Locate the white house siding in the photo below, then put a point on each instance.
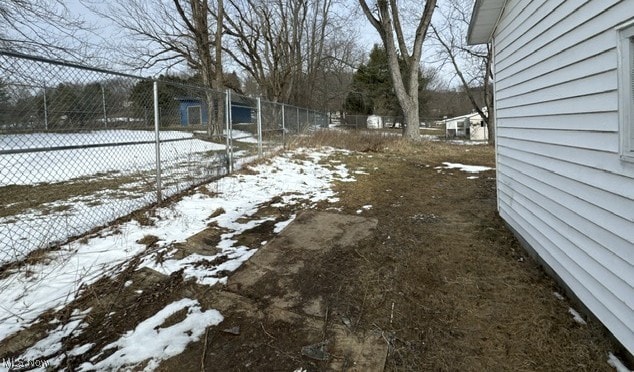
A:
(561, 183)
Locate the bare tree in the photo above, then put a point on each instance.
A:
(287, 46)
(333, 57)
(266, 37)
(319, 15)
(165, 34)
(385, 18)
(333, 80)
(42, 27)
(472, 63)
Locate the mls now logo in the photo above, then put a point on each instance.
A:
(13, 363)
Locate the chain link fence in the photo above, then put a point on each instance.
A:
(82, 147)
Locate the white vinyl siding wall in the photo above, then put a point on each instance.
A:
(562, 184)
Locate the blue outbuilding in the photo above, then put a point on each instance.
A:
(193, 111)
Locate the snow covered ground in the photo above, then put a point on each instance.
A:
(62, 165)
(113, 136)
(55, 281)
(184, 161)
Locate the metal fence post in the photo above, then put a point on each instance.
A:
(259, 126)
(103, 103)
(228, 134)
(231, 136)
(283, 127)
(157, 144)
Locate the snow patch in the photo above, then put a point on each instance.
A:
(52, 343)
(364, 208)
(615, 363)
(198, 266)
(576, 316)
(281, 225)
(464, 168)
(151, 341)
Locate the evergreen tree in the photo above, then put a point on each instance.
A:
(372, 90)
(62, 106)
(169, 90)
(89, 107)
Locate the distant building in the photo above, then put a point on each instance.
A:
(470, 125)
(193, 111)
(375, 122)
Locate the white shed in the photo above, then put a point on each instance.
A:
(375, 122)
(470, 125)
(564, 113)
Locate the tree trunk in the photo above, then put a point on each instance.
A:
(220, 81)
(199, 28)
(491, 125)
(388, 25)
(488, 93)
(209, 97)
(412, 130)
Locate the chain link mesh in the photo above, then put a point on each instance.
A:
(79, 146)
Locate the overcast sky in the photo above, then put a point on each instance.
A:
(108, 35)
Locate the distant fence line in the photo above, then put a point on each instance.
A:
(81, 147)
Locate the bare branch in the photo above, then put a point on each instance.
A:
(472, 64)
(43, 27)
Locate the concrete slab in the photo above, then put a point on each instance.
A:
(271, 275)
(286, 254)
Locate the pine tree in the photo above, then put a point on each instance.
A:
(372, 90)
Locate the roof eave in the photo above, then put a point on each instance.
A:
(484, 19)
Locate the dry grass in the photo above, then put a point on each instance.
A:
(456, 291)
(148, 240)
(363, 141)
(16, 199)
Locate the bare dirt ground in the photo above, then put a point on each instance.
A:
(426, 279)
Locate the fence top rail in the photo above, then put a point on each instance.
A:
(9, 53)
